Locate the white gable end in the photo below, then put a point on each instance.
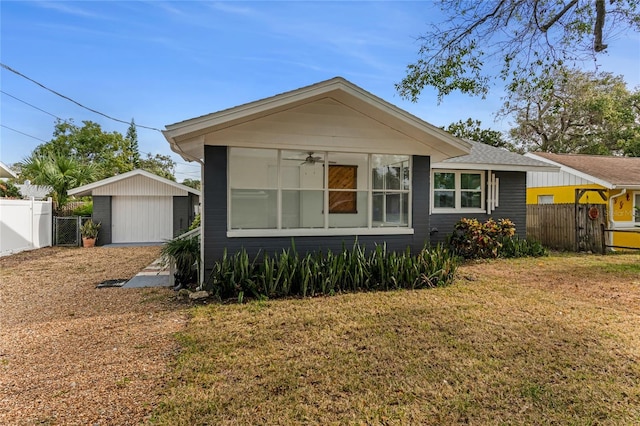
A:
(325, 124)
(139, 186)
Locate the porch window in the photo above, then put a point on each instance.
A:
(288, 192)
(636, 209)
(458, 190)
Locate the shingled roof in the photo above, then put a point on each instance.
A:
(617, 171)
(487, 157)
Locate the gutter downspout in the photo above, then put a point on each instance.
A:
(611, 210)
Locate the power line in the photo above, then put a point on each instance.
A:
(23, 133)
(8, 68)
(32, 106)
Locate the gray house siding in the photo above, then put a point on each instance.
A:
(180, 215)
(215, 218)
(183, 212)
(102, 214)
(512, 197)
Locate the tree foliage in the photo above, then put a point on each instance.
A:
(132, 145)
(89, 145)
(108, 153)
(58, 171)
(526, 39)
(192, 183)
(161, 165)
(581, 112)
(472, 129)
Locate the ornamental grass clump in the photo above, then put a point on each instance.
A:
(287, 273)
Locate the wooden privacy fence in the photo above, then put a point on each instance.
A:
(571, 227)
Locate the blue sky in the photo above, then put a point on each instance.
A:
(164, 62)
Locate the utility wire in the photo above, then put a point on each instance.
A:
(23, 133)
(8, 68)
(32, 106)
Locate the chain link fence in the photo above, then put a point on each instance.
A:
(66, 230)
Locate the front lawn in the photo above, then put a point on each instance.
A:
(528, 341)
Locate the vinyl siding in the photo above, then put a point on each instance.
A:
(512, 206)
(102, 214)
(215, 218)
(139, 186)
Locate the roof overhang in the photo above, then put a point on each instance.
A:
(573, 171)
(494, 167)
(188, 138)
(6, 172)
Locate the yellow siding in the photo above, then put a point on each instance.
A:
(565, 194)
(627, 239)
(622, 208)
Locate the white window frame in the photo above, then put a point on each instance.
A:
(326, 230)
(458, 191)
(636, 205)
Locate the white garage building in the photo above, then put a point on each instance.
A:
(140, 207)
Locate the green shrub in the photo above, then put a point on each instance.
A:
(185, 252)
(9, 190)
(83, 210)
(288, 274)
(473, 239)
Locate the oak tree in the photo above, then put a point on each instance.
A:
(514, 41)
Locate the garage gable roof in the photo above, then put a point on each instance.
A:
(337, 96)
(104, 186)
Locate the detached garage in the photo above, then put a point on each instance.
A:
(140, 207)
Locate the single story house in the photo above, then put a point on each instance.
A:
(330, 163)
(612, 181)
(140, 207)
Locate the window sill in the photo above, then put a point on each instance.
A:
(313, 232)
(450, 211)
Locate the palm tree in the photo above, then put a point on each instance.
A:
(60, 172)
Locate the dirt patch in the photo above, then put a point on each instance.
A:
(74, 354)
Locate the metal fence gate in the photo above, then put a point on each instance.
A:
(66, 230)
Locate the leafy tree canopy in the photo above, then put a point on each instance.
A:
(109, 153)
(472, 129)
(580, 112)
(89, 145)
(192, 183)
(161, 165)
(527, 39)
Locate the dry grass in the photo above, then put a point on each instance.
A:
(534, 341)
(71, 354)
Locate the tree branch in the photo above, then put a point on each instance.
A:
(598, 46)
(555, 19)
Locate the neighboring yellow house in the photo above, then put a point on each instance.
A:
(617, 177)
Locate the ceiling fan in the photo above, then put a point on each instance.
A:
(310, 159)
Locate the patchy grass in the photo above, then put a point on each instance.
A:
(524, 341)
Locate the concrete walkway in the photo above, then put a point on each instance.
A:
(154, 275)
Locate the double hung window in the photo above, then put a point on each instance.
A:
(457, 190)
